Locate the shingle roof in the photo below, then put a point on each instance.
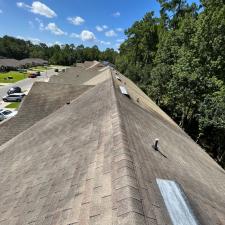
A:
(9, 63)
(32, 61)
(13, 63)
(77, 75)
(92, 162)
(43, 99)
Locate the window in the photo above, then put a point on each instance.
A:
(7, 112)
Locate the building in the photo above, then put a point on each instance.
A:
(13, 64)
(9, 64)
(93, 159)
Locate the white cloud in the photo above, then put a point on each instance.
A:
(116, 14)
(87, 35)
(105, 42)
(76, 20)
(57, 43)
(117, 46)
(50, 44)
(35, 41)
(31, 24)
(22, 5)
(74, 35)
(120, 40)
(98, 28)
(101, 28)
(119, 29)
(38, 8)
(1, 11)
(41, 25)
(53, 28)
(110, 33)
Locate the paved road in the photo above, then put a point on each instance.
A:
(26, 84)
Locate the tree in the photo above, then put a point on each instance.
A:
(67, 54)
(178, 59)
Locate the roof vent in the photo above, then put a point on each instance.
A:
(155, 146)
(118, 78)
(177, 203)
(124, 91)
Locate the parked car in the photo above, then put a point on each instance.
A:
(22, 70)
(14, 90)
(6, 114)
(32, 75)
(15, 97)
(37, 73)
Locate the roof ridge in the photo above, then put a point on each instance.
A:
(128, 201)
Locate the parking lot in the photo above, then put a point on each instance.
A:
(25, 85)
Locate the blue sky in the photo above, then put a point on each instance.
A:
(85, 22)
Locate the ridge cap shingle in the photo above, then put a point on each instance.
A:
(128, 197)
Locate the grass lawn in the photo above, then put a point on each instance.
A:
(14, 74)
(13, 105)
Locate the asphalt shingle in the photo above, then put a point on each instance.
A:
(92, 162)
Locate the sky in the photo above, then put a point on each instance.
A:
(86, 22)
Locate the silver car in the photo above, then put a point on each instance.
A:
(15, 97)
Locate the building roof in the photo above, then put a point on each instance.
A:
(92, 162)
(13, 63)
(43, 99)
(32, 61)
(78, 75)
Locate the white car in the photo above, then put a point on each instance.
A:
(6, 114)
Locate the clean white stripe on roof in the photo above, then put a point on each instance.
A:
(176, 203)
(123, 90)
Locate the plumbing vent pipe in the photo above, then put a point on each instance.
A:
(156, 143)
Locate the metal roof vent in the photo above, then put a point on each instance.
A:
(177, 203)
(124, 91)
(118, 78)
